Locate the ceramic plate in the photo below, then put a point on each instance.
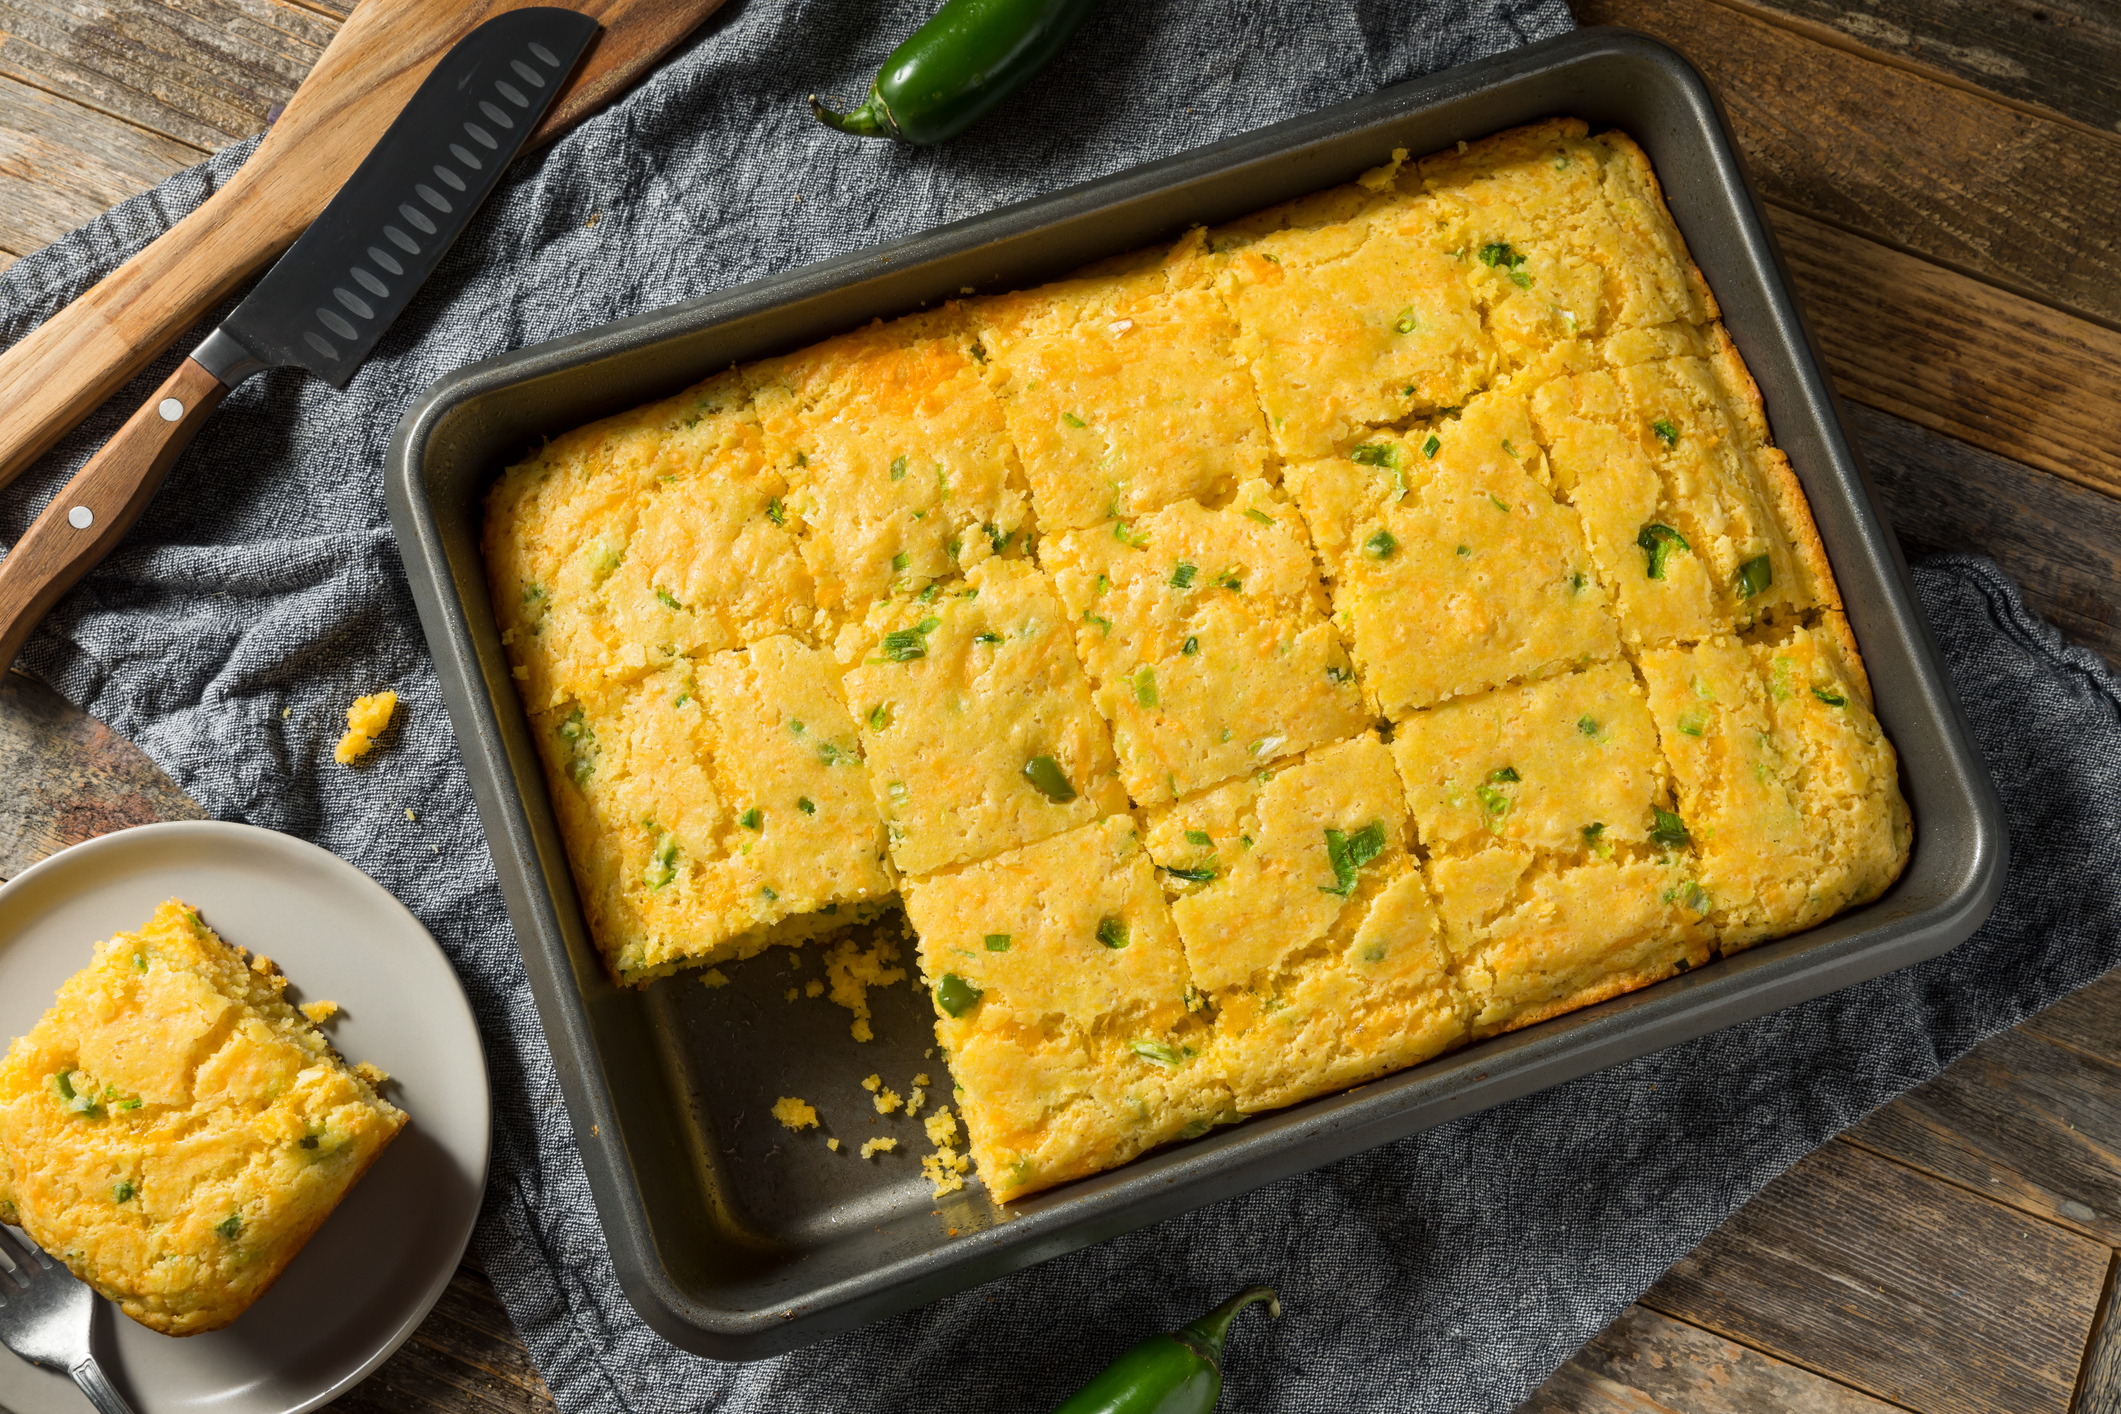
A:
(371, 1273)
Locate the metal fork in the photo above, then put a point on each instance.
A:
(46, 1317)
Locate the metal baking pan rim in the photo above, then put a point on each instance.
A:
(1872, 940)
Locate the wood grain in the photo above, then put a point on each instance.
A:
(1673, 1365)
(2088, 1020)
(2099, 1391)
(465, 1357)
(2059, 540)
(1911, 1290)
(2031, 204)
(1959, 356)
(61, 165)
(2062, 55)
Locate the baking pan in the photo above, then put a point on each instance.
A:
(739, 1240)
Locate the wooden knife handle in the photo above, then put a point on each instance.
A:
(96, 508)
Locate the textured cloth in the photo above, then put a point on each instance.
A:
(1451, 1271)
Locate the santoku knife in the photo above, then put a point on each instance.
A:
(329, 299)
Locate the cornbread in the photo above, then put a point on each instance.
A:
(174, 1130)
(1257, 665)
(365, 721)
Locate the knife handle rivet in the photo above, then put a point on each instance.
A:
(81, 517)
(170, 409)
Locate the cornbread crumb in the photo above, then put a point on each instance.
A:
(791, 994)
(946, 1167)
(922, 1078)
(794, 1114)
(872, 1147)
(813, 988)
(853, 971)
(873, 1083)
(365, 721)
(175, 1130)
(714, 977)
(319, 1012)
(374, 1074)
(915, 1098)
(888, 1100)
(833, 1145)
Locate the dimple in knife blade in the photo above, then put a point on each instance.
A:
(326, 302)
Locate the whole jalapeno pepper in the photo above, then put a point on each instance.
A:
(1177, 1373)
(958, 66)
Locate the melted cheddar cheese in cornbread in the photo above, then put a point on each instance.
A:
(1258, 665)
(174, 1131)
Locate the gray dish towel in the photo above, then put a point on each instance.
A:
(1451, 1271)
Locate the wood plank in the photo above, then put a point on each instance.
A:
(1904, 1287)
(464, 1357)
(2026, 202)
(1959, 356)
(2062, 55)
(70, 778)
(1666, 1364)
(2088, 1020)
(61, 165)
(2022, 1121)
(203, 71)
(2059, 540)
(2099, 1392)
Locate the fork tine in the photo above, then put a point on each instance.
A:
(7, 1251)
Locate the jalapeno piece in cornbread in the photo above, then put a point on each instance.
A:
(899, 464)
(649, 536)
(1307, 926)
(714, 808)
(174, 1131)
(1454, 569)
(1205, 634)
(1073, 1046)
(977, 719)
(1124, 391)
(1791, 796)
(1536, 764)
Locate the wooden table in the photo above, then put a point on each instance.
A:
(1945, 178)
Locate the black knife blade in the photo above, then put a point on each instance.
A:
(327, 301)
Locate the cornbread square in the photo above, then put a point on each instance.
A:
(1062, 1006)
(1785, 781)
(716, 807)
(958, 692)
(1354, 323)
(1307, 926)
(1454, 569)
(1206, 638)
(1533, 936)
(899, 463)
(653, 535)
(1569, 763)
(174, 1131)
(1124, 392)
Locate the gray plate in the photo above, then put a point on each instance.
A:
(738, 1240)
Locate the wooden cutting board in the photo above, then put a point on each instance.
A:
(55, 377)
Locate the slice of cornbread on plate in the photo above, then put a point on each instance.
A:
(716, 807)
(174, 1131)
(1454, 569)
(1563, 763)
(1205, 634)
(977, 719)
(1061, 995)
(648, 536)
(899, 463)
(1123, 391)
(1786, 782)
(1307, 926)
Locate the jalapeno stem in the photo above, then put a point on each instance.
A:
(1210, 1329)
(872, 119)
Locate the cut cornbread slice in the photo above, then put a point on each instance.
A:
(1454, 569)
(1532, 938)
(1124, 393)
(1355, 323)
(1785, 782)
(1566, 235)
(899, 463)
(652, 535)
(1205, 636)
(1566, 763)
(716, 807)
(1061, 997)
(1307, 926)
(977, 718)
(174, 1131)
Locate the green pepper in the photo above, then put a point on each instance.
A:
(958, 66)
(1175, 1373)
(1046, 776)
